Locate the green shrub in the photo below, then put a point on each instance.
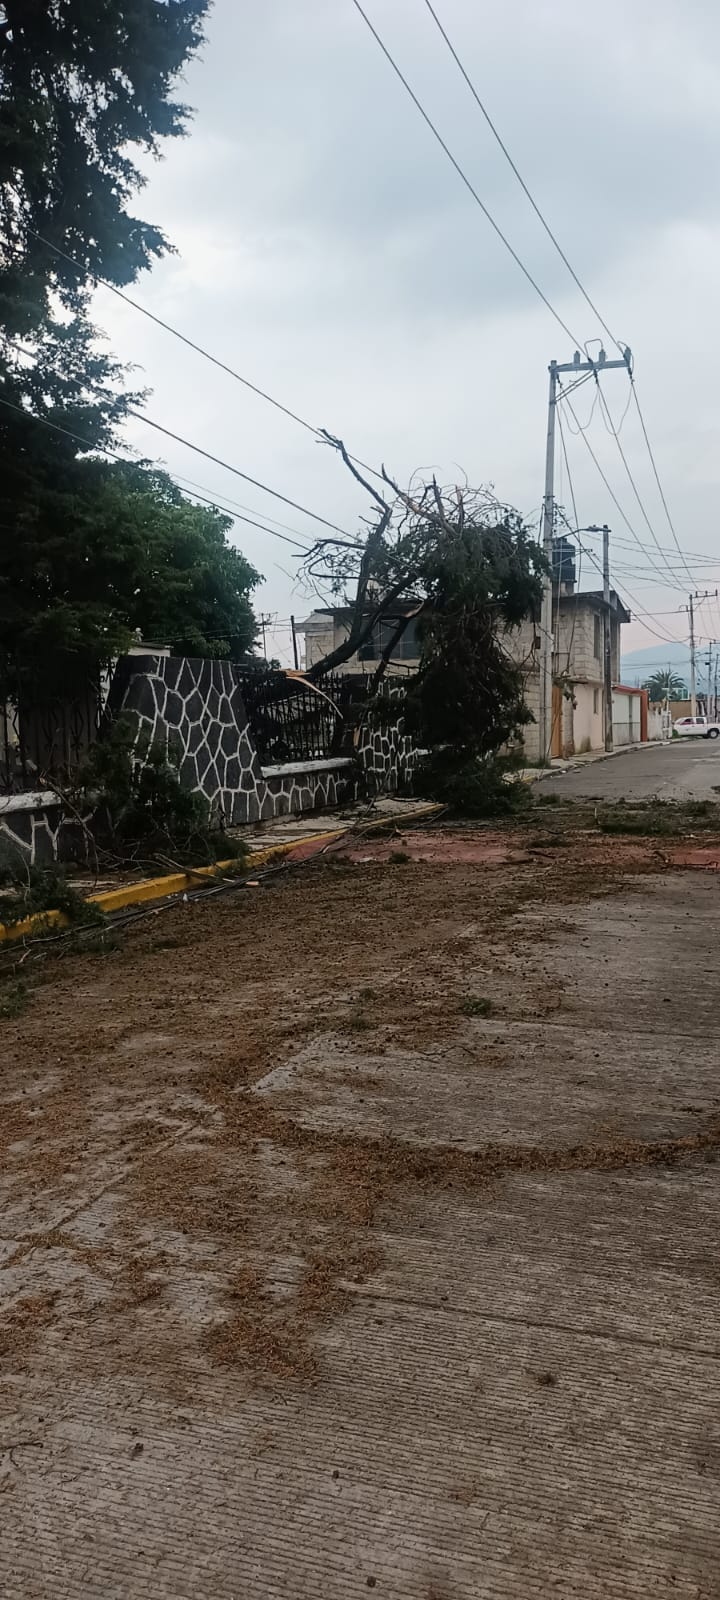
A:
(14, 997)
(33, 890)
(142, 811)
(477, 1007)
(473, 787)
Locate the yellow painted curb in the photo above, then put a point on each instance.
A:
(35, 924)
(133, 894)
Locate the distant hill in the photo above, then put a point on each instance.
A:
(637, 665)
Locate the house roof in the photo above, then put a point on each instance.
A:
(595, 600)
(400, 608)
(589, 597)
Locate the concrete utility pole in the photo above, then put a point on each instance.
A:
(576, 366)
(264, 619)
(693, 668)
(706, 595)
(546, 627)
(607, 641)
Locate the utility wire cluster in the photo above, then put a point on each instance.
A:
(664, 561)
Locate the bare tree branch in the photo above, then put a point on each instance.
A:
(337, 444)
(392, 644)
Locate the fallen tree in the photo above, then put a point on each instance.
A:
(464, 570)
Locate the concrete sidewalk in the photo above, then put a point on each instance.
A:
(360, 1234)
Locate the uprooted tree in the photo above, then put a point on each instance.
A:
(463, 570)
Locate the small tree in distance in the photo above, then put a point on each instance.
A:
(666, 685)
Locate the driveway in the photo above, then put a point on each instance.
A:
(687, 769)
(359, 1233)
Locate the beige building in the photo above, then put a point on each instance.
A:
(329, 627)
(578, 691)
(578, 688)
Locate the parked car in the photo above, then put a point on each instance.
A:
(697, 726)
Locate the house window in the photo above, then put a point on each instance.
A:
(406, 649)
(597, 641)
(596, 701)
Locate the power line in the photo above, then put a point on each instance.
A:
(218, 461)
(610, 491)
(590, 553)
(256, 482)
(463, 175)
(606, 411)
(696, 556)
(520, 178)
(198, 348)
(656, 475)
(102, 395)
(103, 449)
(168, 327)
(568, 264)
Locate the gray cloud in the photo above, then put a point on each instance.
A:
(329, 251)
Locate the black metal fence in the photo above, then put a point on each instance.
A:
(294, 720)
(44, 737)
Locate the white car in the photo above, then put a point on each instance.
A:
(697, 726)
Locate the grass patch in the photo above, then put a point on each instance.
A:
(660, 818)
(357, 1022)
(14, 1000)
(476, 1006)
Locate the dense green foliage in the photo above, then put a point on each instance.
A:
(90, 551)
(478, 582)
(472, 786)
(32, 890)
(84, 84)
(101, 550)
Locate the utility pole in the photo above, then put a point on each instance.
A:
(546, 626)
(693, 669)
(264, 620)
(706, 595)
(295, 647)
(576, 366)
(607, 650)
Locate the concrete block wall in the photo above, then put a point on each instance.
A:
(196, 708)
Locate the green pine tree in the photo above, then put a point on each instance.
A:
(89, 550)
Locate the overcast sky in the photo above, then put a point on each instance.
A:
(328, 251)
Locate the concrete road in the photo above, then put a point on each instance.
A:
(687, 769)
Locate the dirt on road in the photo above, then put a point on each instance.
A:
(360, 1232)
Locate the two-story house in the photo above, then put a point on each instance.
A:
(578, 678)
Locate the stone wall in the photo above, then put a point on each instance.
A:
(35, 829)
(386, 754)
(197, 708)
